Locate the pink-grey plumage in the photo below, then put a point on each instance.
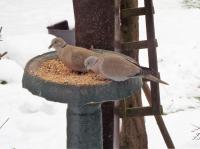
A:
(73, 57)
(109, 64)
(117, 68)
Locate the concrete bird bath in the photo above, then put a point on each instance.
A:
(84, 121)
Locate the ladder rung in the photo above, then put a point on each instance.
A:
(132, 12)
(137, 45)
(137, 111)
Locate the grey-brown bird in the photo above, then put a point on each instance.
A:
(117, 68)
(73, 57)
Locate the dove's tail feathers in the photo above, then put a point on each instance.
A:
(154, 79)
(147, 71)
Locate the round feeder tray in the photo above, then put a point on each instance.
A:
(84, 124)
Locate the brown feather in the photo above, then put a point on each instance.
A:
(118, 67)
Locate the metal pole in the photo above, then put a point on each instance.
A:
(84, 127)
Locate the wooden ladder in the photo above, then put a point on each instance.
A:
(152, 93)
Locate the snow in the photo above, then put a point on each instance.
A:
(180, 126)
(34, 44)
(34, 122)
(11, 68)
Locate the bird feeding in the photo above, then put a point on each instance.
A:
(62, 76)
(54, 70)
(109, 65)
(84, 120)
(73, 57)
(117, 68)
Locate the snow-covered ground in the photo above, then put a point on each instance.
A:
(34, 122)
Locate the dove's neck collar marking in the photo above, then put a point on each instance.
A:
(97, 60)
(64, 45)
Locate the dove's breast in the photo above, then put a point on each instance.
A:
(65, 56)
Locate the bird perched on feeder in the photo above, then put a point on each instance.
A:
(118, 68)
(73, 57)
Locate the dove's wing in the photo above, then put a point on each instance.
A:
(78, 57)
(118, 68)
(106, 52)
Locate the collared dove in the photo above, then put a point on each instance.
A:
(73, 57)
(118, 68)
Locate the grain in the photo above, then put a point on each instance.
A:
(54, 70)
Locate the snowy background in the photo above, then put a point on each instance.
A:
(35, 123)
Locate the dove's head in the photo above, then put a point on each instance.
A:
(57, 43)
(90, 62)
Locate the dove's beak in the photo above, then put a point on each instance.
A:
(89, 68)
(51, 45)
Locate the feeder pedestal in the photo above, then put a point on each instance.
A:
(84, 120)
(84, 127)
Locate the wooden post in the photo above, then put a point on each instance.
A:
(117, 46)
(159, 119)
(133, 134)
(2, 55)
(94, 25)
(152, 54)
